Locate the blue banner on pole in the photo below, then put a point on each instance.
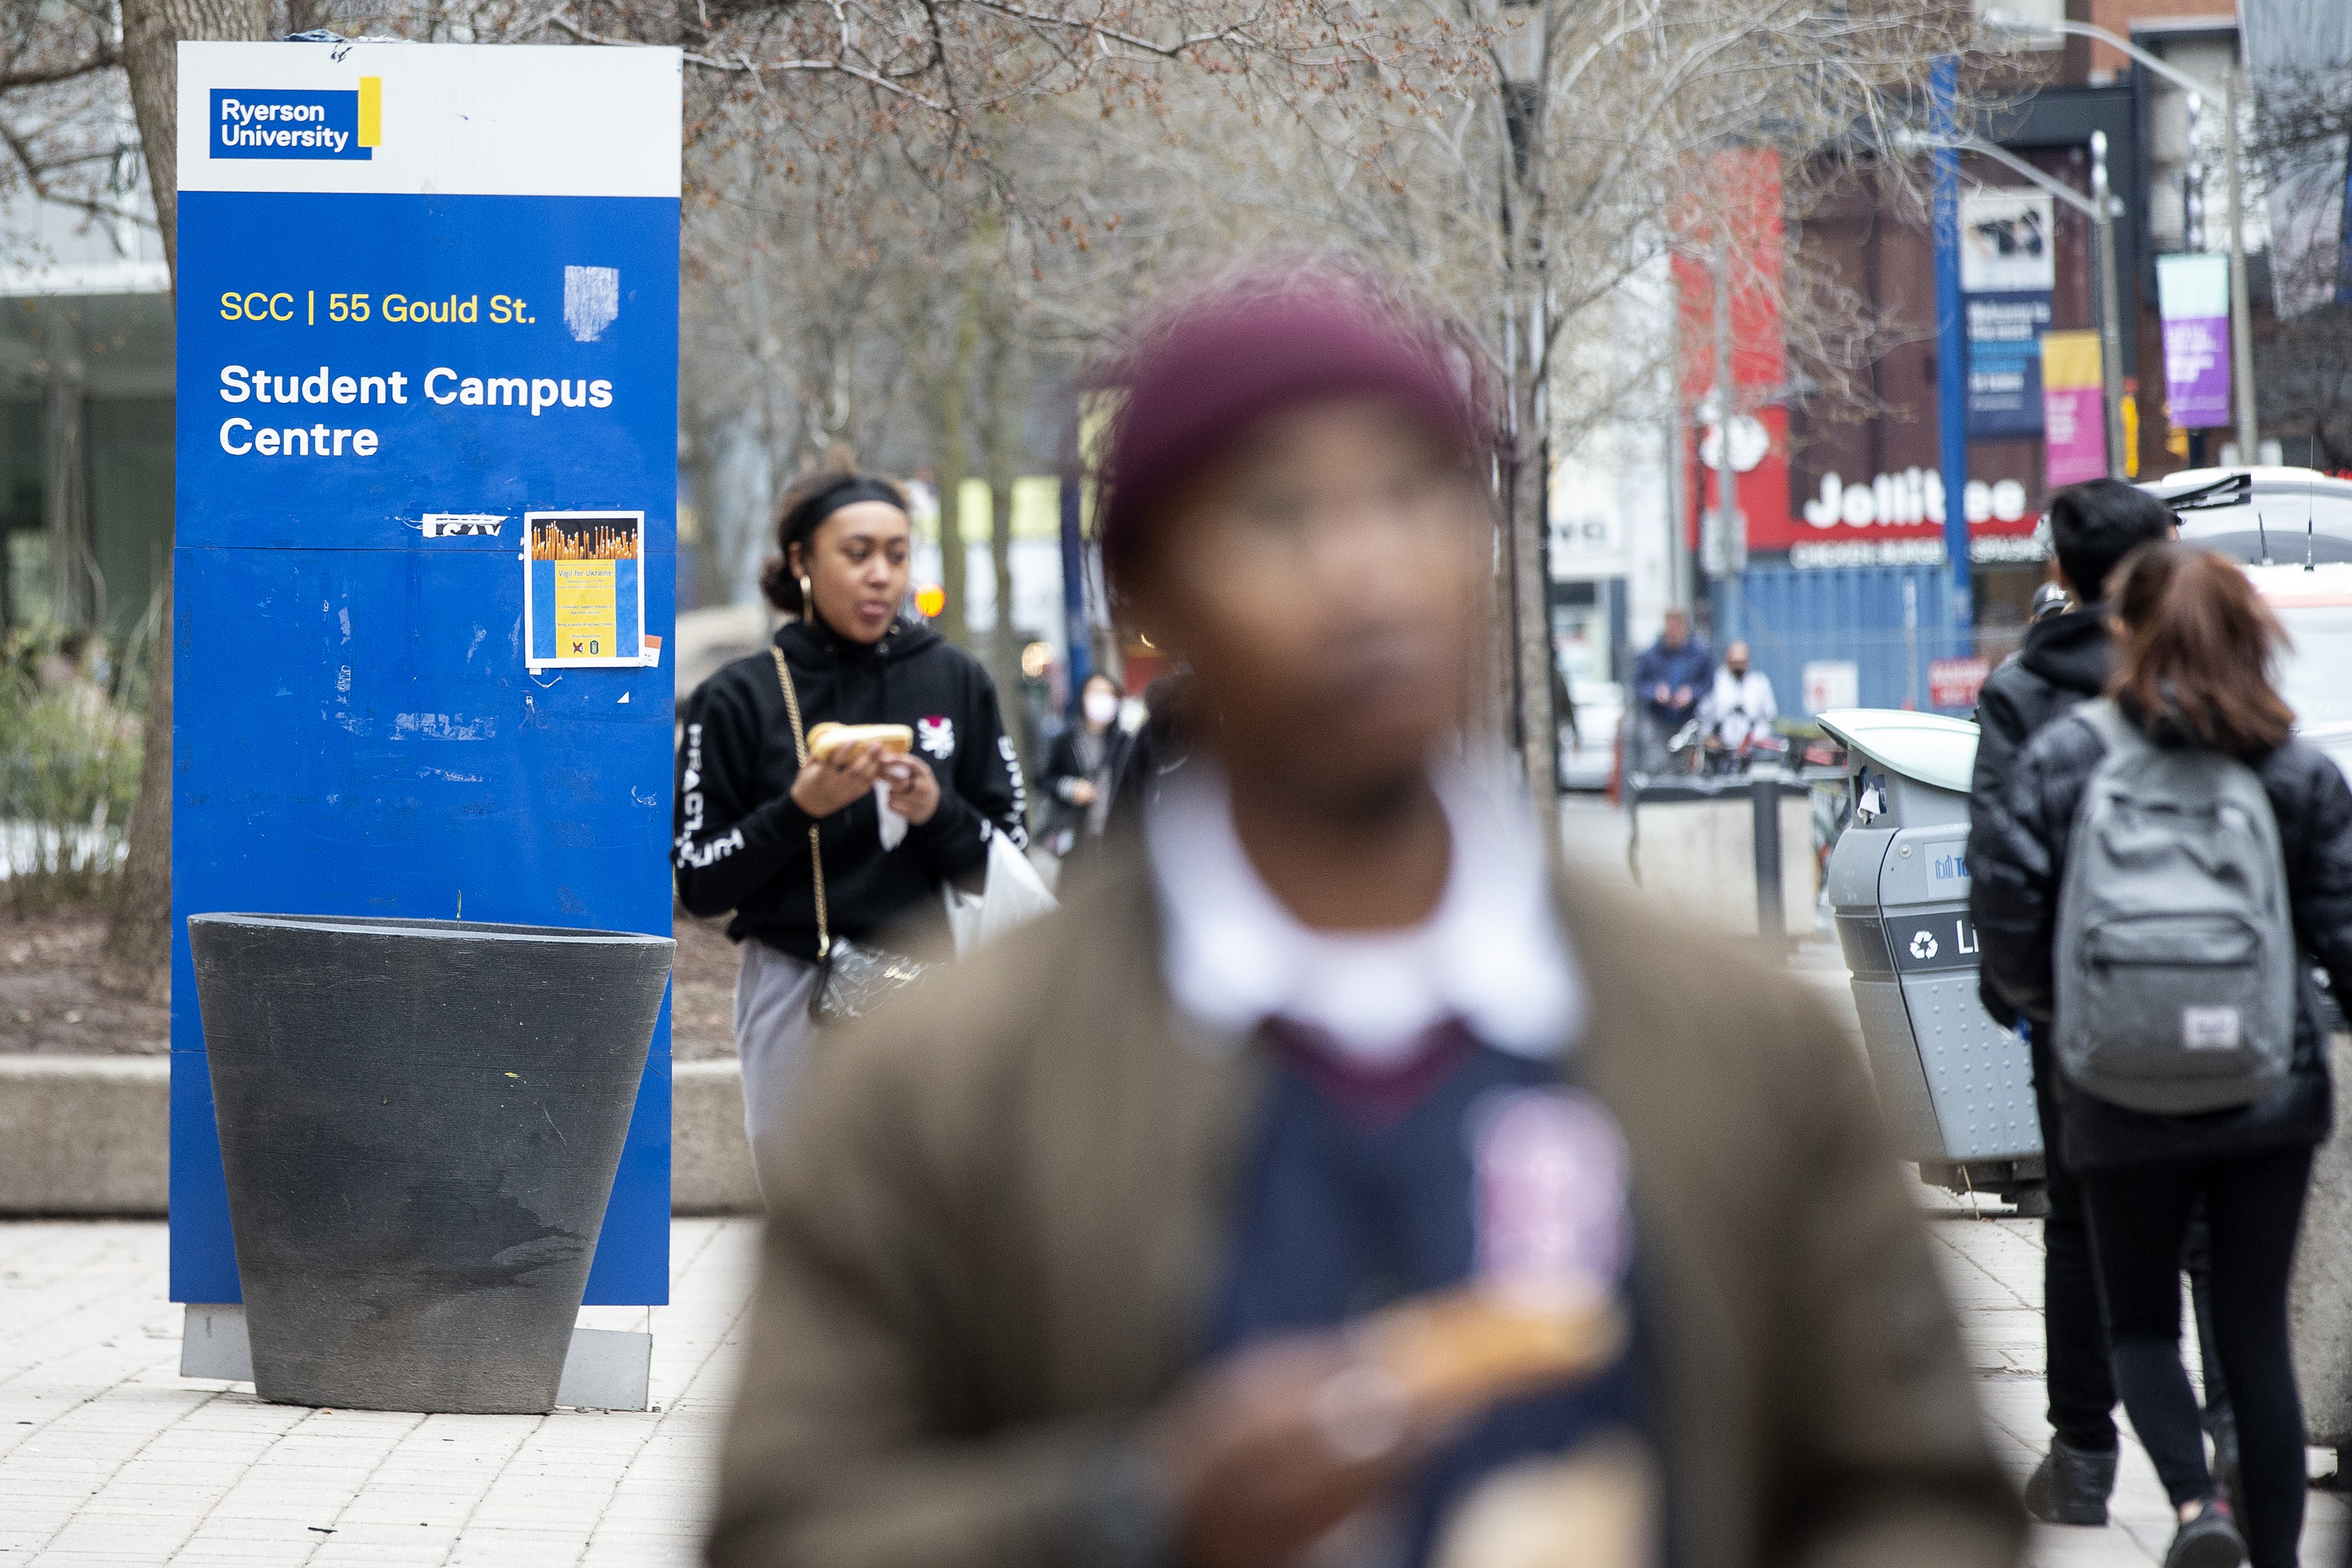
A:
(2005, 362)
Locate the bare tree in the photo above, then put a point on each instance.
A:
(2301, 149)
(138, 955)
(64, 136)
(898, 209)
(1533, 186)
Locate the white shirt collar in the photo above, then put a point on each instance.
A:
(1492, 954)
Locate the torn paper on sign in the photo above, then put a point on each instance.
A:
(455, 524)
(592, 300)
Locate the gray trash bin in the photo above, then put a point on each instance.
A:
(1957, 1089)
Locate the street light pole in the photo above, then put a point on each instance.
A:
(2241, 313)
(2242, 330)
(1727, 538)
(2111, 340)
(1952, 353)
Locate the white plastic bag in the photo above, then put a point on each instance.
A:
(1012, 895)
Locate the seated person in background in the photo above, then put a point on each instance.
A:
(1740, 705)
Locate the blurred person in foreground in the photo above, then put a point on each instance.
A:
(1334, 1180)
(2192, 681)
(2066, 660)
(1670, 675)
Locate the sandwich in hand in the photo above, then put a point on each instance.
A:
(826, 739)
(1463, 1349)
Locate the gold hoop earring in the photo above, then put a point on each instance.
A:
(808, 598)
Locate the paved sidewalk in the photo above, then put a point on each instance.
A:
(108, 1457)
(1993, 1269)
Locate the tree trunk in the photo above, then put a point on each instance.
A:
(955, 460)
(1531, 601)
(715, 567)
(137, 956)
(1007, 429)
(1527, 473)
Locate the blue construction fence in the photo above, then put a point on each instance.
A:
(1888, 622)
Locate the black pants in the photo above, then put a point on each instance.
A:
(2138, 1216)
(2073, 1325)
(2075, 1330)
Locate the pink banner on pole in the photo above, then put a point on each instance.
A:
(2074, 411)
(2193, 296)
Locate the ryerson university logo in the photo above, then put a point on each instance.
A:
(295, 123)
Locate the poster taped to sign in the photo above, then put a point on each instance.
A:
(583, 604)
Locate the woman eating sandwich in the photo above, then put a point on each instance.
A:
(830, 787)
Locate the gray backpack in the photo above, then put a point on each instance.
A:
(2176, 952)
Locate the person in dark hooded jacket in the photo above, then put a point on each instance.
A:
(2066, 660)
(2194, 672)
(746, 803)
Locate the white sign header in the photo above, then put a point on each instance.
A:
(430, 119)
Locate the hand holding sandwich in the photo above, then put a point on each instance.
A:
(1268, 1449)
(844, 761)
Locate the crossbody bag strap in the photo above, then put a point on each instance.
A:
(800, 755)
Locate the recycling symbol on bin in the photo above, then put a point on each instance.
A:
(1923, 945)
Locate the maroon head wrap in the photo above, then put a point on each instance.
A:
(1228, 359)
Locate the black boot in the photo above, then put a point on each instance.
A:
(2071, 1485)
(2221, 1424)
(2209, 1540)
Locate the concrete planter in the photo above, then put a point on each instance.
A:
(420, 1122)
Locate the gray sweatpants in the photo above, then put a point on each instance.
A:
(772, 1034)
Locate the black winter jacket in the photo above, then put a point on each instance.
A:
(1065, 769)
(2064, 661)
(742, 844)
(2017, 860)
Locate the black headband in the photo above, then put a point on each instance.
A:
(850, 492)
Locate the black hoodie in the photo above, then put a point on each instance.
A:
(742, 844)
(2065, 660)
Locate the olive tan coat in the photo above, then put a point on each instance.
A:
(1005, 1199)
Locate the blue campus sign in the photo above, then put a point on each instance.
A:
(425, 557)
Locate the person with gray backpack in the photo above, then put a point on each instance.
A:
(2066, 660)
(2156, 875)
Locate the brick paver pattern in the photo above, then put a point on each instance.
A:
(108, 1457)
(1994, 1271)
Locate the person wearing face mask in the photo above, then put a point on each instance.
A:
(1740, 704)
(1082, 770)
(892, 827)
